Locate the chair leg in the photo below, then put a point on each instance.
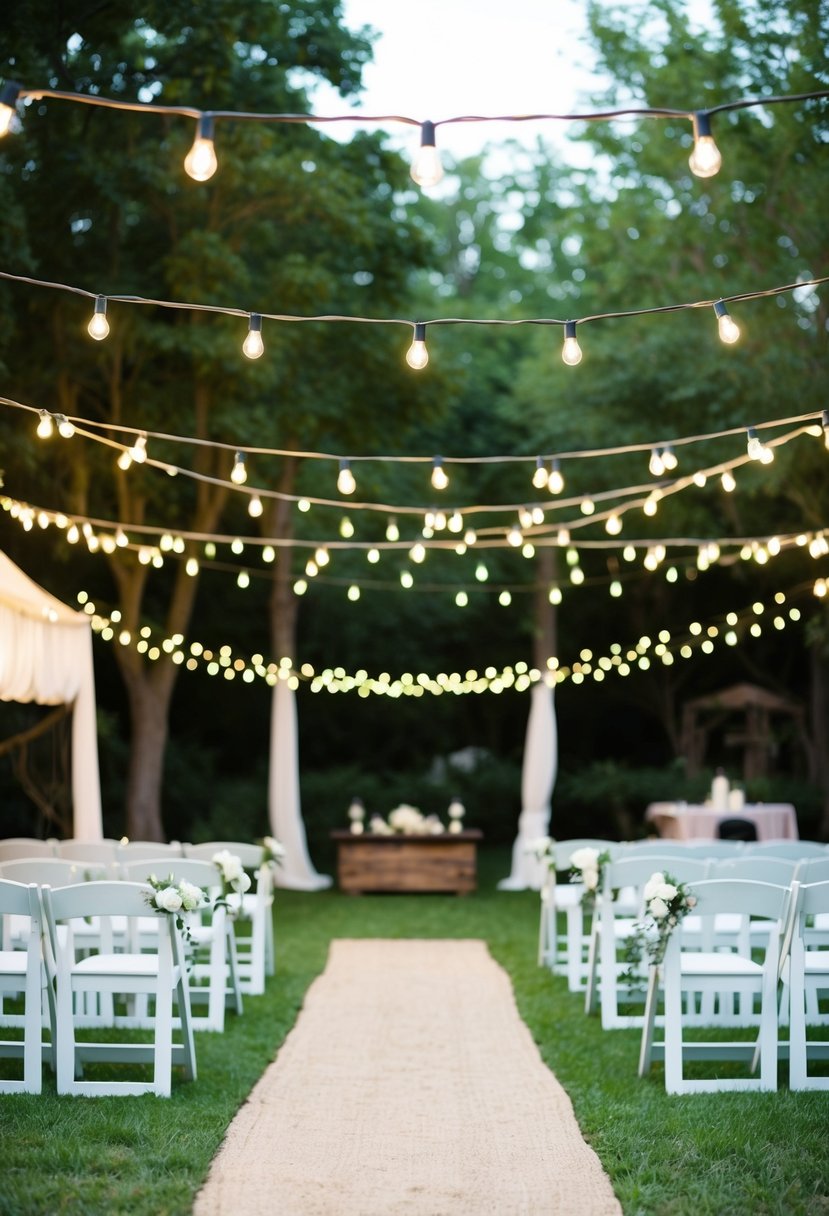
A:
(592, 967)
(651, 1000)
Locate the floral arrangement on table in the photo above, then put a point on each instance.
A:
(176, 899)
(666, 903)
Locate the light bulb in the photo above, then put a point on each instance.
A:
(440, 479)
(65, 428)
(656, 465)
(613, 524)
(587, 506)
(727, 481)
(8, 99)
(669, 459)
(705, 160)
(346, 528)
(555, 482)
(239, 473)
(766, 455)
(253, 346)
(45, 426)
(200, 162)
(98, 326)
(754, 447)
(417, 552)
(417, 356)
(571, 351)
(540, 476)
(138, 451)
(426, 167)
(392, 530)
(345, 479)
(728, 327)
(255, 507)
(514, 537)
(124, 460)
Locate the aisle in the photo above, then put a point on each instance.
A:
(408, 1085)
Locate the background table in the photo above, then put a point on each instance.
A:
(686, 821)
(445, 863)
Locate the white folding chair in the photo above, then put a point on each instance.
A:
(23, 972)
(255, 950)
(146, 850)
(14, 847)
(566, 952)
(159, 975)
(213, 971)
(808, 979)
(94, 852)
(612, 979)
(715, 848)
(796, 849)
(689, 974)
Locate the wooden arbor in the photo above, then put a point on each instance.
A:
(703, 715)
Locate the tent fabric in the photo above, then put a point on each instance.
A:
(46, 658)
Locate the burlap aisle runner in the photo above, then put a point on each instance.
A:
(408, 1085)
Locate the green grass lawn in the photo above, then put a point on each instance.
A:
(702, 1154)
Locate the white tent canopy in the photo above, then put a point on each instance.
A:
(46, 657)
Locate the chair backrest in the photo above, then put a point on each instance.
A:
(715, 848)
(85, 899)
(634, 871)
(201, 873)
(813, 869)
(14, 847)
(138, 850)
(798, 849)
(563, 850)
(743, 896)
(16, 898)
(647, 848)
(56, 871)
(814, 898)
(250, 855)
(756, 867)
(88, 850)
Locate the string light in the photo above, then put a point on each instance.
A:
(345, 479)
(440, 478)
(656, 464)
(65, 428)
(540, 477)
(255, 507)
(239, 472)
(8, 105)
(200, 163)
(45, 426)
(427, 169)
(417, 356)
(705, 160)
(728, 327)
(253, 345)
(728, 482)
(346, 528)
(138, 451)
(571, 351)
(669, 459)
(98, 327)
(555, 482)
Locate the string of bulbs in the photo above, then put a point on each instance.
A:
(417, 355)
(201, 162)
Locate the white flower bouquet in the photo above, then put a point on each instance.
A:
(176, 899)
(666, 903)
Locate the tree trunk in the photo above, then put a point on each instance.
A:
(819, 714)
(149, 714)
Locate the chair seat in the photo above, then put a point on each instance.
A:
(135, 965)
(816, 962)
(719, 963)
(13, 962)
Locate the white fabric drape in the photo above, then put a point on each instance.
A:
(537, 780)
(46, 657)
(296, 871)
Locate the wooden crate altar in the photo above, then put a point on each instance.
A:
(446, 863)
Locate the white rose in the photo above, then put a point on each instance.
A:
(379, 826)
(658, 908)
(168, 899)
(241, 882)
(585, 858)
(654, 882)
(590, 878)
(274, 847)
(191, 896)
(539, 846)
(666, 891)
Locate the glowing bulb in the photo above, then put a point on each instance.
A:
(587, 506)
(138, 451)
(417, 552)
(191, 567)
(728, 327)
(45, 426)
(753, 445)
(373, 556)
(322, 557)
(514, 537)
(669, 459)
(253, 346)
(555, 482)
(656, 465)
(440, 480)
(124, 460)
(705, 160)
(65, 428)
(239, 473)
(200, 162)
(353, 593)
(255, 507)
(8, 99)
(417, 356)
(571, 351)
(540, 476)
(98, 326)
(392, 530)
(345, 479)
(727, 481)
(563, 537)
(426, 167)
(243, 579)
(613, 524)
(346, 528)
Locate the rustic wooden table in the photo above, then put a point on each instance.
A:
(445, 863)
